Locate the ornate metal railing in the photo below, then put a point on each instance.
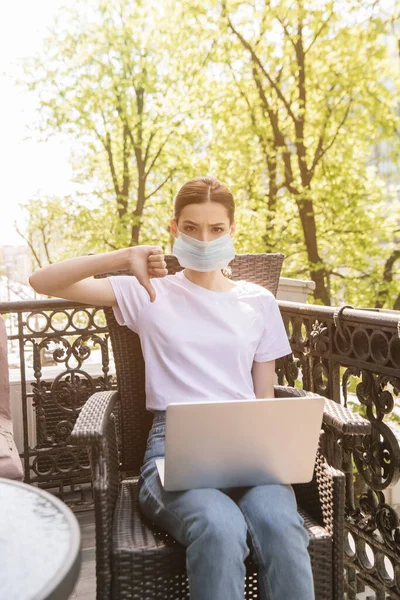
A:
(64, 334)
(335, 352)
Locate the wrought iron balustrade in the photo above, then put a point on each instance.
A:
(336, 351)
(67, 333)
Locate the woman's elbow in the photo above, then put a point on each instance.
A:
(36, 283)
(32, 281)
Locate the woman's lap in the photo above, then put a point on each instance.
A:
(217, 525)
(176, 511)
(183, 513)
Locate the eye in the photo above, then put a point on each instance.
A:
(188, 228)
(219, 229)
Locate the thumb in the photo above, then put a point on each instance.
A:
(150, 290)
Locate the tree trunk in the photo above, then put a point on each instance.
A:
(139, 210)
(317, 268)
(383, 294)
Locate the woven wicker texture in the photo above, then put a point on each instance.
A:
(344, 420)
(137, 560)
(138, 544)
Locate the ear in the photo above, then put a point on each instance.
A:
(174, 228)
(233, 228)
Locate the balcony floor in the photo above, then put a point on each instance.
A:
(85, 589)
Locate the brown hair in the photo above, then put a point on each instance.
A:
(201, 190)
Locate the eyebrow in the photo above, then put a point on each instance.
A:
(193, 223)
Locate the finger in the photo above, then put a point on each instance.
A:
(157, 264)
(155, 258)
(158, 272)
(156, 250)
(150, 290)
(157, 268)
(146, 283)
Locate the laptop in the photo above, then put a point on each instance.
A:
(235, 443)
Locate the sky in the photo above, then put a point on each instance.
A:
(28, 167)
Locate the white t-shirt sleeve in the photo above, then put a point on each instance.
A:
(274, 341)
(131, 298)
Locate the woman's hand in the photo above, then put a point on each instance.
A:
(146, 262)
(72, 278)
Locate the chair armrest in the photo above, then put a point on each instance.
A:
(95, 427)
(91, 424)
(344, 420)
(336, 416)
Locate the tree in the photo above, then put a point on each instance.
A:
(108, 76)
(50, 228)
(316, 97)
(283, 101)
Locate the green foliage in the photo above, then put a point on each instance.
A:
(283, 102)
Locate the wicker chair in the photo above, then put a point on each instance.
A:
(135, 559)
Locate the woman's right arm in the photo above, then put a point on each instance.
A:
(72, 279)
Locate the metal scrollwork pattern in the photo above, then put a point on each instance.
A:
(378, 458)
(66, 338)
(349, 354)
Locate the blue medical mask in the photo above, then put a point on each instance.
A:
(203, 256)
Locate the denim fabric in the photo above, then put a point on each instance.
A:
(219, 527)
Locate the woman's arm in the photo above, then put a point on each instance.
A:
(263, 374)
(72, 278)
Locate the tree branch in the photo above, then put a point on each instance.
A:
(279, 139)
(270, 158)
(153, 162)
(299, 123)
(255, 59)
(45, 243)
(161, 184)
(30, 244)
(382, 295)
(110, 244)
(126, 179)
(320, 30)
(321, 150)
(285, 29)
(347, 277)
(107, 146)
(146, 154)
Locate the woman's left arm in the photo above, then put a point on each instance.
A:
(263, 374)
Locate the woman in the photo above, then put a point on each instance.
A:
(203, 336)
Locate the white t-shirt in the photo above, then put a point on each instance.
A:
(199, 344)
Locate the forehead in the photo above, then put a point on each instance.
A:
(208, 212)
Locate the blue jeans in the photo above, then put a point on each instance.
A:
(219, 528)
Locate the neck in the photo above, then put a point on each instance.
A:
(211, 280)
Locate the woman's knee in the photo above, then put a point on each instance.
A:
(272, 510)
(222, 527)
(288, 526)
